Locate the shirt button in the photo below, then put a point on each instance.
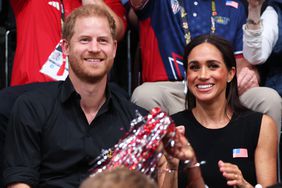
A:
(196, 3)
(194, 14)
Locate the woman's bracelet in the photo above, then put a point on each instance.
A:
(167, 170)
(188, 164)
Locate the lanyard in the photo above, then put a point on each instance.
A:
(62, 8)
(184, 21)
(214, 14)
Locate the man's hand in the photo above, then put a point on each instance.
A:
(254, 12)
(255, 3)
(247, 76)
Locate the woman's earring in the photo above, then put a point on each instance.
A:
(185, 86)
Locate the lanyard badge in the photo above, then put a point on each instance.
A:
(56, 66)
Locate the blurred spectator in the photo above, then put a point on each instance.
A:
(119, 178)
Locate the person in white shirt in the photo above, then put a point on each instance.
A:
(260, 38)
(262, 42)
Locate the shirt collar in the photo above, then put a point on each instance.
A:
(68, 91)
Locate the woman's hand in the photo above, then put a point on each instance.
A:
(169, 160)
(176, 149)
(181, 148)
(233, 175)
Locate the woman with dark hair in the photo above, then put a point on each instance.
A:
(238, 145)
(227, 54)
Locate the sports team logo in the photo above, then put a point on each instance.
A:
(221, 20)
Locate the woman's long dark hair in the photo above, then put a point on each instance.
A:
(227, 53)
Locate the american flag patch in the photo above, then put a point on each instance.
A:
(240, 153)
(232, 3)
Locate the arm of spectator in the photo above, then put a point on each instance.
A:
(120, 24)
(259, 39)
(138, 4)
(247, 75)
(18, 185)
(266, 153)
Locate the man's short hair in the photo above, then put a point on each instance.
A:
(119, 178)
(87, 11)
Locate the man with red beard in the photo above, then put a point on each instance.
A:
(39, 28)
(56, 131)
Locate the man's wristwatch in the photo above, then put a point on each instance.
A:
(253, 22)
